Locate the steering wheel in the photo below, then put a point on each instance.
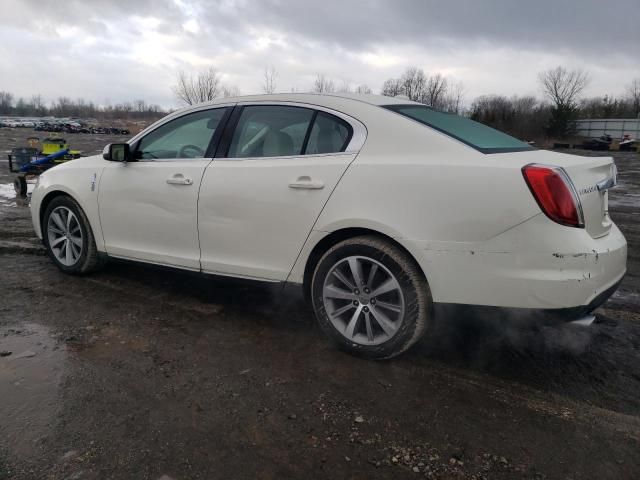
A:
(190, 151)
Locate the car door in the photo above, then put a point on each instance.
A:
(148, 206)
(258, 204)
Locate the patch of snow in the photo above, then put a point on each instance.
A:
(7, 191)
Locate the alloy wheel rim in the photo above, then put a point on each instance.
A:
(65, 236)
(363, 300)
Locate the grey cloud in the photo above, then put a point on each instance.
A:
(77, 12)
(541, 24)
(326, 36)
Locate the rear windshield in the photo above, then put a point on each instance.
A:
(474, 134)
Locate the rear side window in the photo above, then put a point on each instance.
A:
(270, 131)
(328, 135)
(482, 138)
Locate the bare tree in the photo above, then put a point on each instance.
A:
(202, 87)
(230, 91)
(63, 107)
(6, 102)
(323, 84)
(435, 91)
(414, 83)
(633, 92)
(37, 104)
(344, 87)
(363, 89)
(21, 107)
(270, 76)
(452, 101)
(563, 87)
(392, 87)
(140, 106)
(523, 117)
(417, 86)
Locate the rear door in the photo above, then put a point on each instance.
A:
(148, 207)
(258, 204)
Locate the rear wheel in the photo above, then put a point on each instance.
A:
(20, 185)
(68, 237)
(370, 297)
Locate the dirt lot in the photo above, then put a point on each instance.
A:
(142, 373)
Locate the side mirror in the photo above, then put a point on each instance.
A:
(117, 152)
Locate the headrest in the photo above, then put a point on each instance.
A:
(277, 144)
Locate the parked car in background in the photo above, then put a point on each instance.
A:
(379, 207)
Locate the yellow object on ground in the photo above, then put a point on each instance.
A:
(53, 145)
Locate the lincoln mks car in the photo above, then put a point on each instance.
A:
(379, 207)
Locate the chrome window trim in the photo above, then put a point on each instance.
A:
(180, 160)
(284, 157)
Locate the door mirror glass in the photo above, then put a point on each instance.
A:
(117, 152)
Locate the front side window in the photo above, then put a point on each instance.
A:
(270, 131)
(476, 135)
(185, 137)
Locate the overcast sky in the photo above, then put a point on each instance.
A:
(120, 50)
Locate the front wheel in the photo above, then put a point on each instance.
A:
(370, 297)
(68, 237)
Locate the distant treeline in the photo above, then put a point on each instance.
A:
(526, 117)
(67, 107)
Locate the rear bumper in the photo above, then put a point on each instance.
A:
(572, 313)
(536, 265)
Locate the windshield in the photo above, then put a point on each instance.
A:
(474, 134)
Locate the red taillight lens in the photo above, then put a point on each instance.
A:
(554, 192)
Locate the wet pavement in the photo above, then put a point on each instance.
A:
(140, 372)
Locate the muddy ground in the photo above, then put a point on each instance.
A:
(143, 373)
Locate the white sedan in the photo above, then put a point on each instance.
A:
(379, 207)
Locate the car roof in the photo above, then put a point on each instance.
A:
(314, 99)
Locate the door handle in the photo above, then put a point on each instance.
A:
(305, 182)
(179, 179)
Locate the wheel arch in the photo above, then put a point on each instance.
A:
(52, 195)
(46, 200)
(337, 236)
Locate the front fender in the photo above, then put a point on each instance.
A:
(79, 179)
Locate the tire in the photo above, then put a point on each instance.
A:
(84, 257)
(20, 186)
(388, 314)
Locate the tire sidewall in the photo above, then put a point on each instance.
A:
(406, 332)
(20, 186)
(73, 206)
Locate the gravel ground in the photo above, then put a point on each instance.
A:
(145, 373)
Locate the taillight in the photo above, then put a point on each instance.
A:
(553, 190)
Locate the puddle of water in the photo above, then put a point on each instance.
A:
(29, 388)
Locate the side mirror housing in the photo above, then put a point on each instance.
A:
(117, 152)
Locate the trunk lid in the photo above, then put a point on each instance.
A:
(591, 177)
